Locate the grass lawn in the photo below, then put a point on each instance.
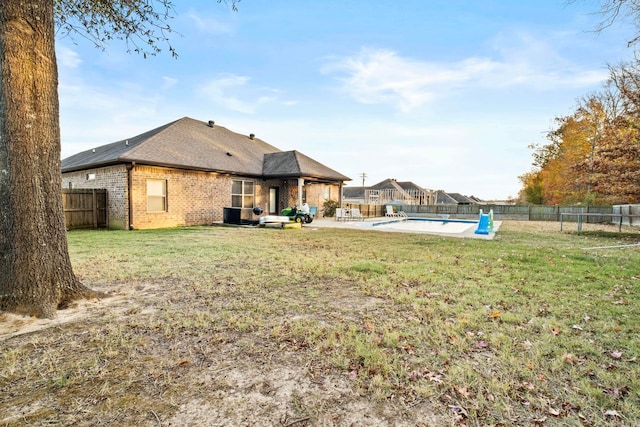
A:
(321, 326)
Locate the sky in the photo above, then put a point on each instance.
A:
(447, 94)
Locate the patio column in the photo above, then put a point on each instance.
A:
(300, 184)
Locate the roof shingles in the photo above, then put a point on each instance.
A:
(191, 144)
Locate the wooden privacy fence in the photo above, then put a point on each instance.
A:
(500, 212)
(85, 208)
(368, 211)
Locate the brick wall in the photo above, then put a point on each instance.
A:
(114, 180)
(315, 193)
(193, 198)
(262, 193)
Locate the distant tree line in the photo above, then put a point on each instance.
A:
(593, 155)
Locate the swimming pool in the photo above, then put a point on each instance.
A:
(441, 227)
(427, 225)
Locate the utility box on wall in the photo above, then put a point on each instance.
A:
(238, 216)
(231, 215)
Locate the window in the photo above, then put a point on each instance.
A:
(156, 195)
(242, 194)
(326, 192)
(91, 176)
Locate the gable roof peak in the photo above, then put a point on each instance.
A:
(188, 143)
(183, 143)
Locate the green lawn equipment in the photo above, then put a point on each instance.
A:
(298, 215)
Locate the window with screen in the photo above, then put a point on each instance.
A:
(156, 195)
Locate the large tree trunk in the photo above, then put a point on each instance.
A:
(35, 270)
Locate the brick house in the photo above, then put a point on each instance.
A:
(189, 172)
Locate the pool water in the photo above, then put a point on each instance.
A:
(428, 225)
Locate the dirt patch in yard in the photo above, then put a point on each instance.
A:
(120, 299)
(232, 380)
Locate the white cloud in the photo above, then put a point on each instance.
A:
(209, 24)
(169, 82)
(383, 76)
(540, 62)
(235, 93)
(67, 58)
(92, 115)
(217, 91)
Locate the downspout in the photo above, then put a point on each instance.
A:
(129, 191)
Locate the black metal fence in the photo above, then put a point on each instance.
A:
(500, 212)
(628, 210)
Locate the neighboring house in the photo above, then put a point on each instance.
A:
(189, 172)
(389, 190)
(354, 195)
(444, 198)
(476, 200)
(462, 200)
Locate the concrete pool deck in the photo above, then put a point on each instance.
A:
(438, 228)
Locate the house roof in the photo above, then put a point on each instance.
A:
(476, 199)
(295, 164)
(192, 144)
(353, 192)
(409, 186)
(462, 200)
(392, 184)
(387, 184)
(443, 198)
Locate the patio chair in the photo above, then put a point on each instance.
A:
(355, 214)
(390, 211)
(341, 214)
